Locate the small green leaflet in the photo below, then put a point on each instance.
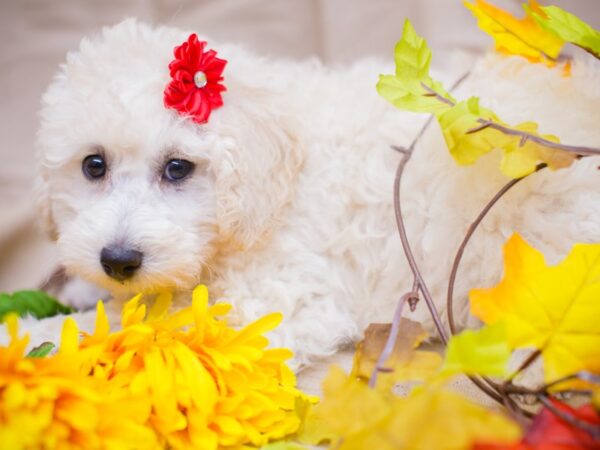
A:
(569, 28)
(42, 350)
(409, 88)
(478, 352)
(33, 303)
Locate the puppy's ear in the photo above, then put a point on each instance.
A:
(43, 202)
(258, 159)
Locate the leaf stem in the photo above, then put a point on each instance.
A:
(525, 136)
(439, 97)
(392, 338)
(592, 430)
(406, 245)
(459, 254)
(485, 123)
(525, 364)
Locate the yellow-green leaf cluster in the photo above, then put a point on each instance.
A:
(463, 123)
(408, 88)
(554, 309)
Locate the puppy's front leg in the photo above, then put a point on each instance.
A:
(49, 329)
(81, 294)
(317, 318)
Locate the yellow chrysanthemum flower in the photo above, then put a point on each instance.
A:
(210, 386)
(191, 379)
(47, 403)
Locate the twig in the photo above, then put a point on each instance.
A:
(525, 136)
(583, 375)
(391, 340)
(418, 283)
(485, 384)
(532, 137)
(408, 252)
(465, 241)
(515, 411)
(525, 364)
(593, 430)
(432, 93)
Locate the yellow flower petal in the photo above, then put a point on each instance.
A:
(69, 338)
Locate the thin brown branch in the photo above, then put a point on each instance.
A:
(490, 388)
(589, 151)
(516, 412)
(583, 375)
(525, 136)
(525, 364)
(591, 429)
(465, 241)
(408, 251)
(391, 340)
(418, 283)
(509, 388)
(432, 93)
(479, 128)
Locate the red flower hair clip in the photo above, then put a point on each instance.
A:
(195, 87)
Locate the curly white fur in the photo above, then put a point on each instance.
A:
(290, 208)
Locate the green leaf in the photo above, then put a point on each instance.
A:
(481, 352)
(42, 350)
(411, 87)
(568, 27)
(34, 303)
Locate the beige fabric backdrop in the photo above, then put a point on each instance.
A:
(35, 35)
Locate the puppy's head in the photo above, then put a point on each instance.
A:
(139, 197)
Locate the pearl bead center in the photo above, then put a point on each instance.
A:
(200, 79)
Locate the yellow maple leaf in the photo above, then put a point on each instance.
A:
(515, 36)
(555, 309)
(405, 362)
(431, 417)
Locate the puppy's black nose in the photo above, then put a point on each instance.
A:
(120, 263)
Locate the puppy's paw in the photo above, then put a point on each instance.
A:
(80, 294)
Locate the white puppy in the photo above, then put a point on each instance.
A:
(287, 203)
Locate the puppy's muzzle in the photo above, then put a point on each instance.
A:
(120, 263)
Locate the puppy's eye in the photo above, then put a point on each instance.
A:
(94, 167)
(177, 169)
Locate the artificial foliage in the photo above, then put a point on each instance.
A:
(518, 36)
(189, 380)
(37, 304)
(180, 380)
(470, 129)
(548, 311)
(553, 309)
